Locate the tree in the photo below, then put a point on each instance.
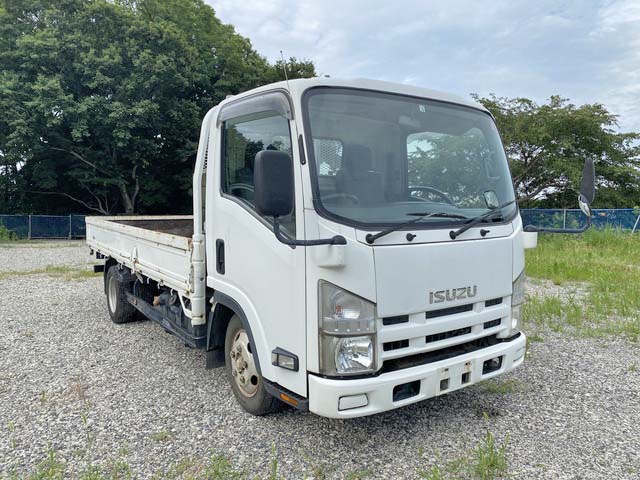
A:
(102, 100)
(453, 163)
(547, 145)
(295, 69)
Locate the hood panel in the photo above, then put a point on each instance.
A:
(406, 274)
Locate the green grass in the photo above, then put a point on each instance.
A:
(161, 436)
(499, 386)
(486, 461)
(606, 264)
(40, 243)
(215, 467)
(51, 468)
(60, 271)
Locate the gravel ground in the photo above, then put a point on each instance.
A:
(96, 392)
(21, 257)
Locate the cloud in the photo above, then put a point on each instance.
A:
(586, 51)
(619, 26)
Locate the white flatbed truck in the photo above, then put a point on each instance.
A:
(355, 246)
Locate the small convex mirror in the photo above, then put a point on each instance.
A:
(584, 206)
(491, 199)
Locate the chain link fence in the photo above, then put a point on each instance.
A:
(45, 226)
(620, 218)
(73, 226)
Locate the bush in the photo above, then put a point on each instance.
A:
(7, 235)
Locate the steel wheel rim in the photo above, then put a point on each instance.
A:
(243, 367)
(112, 296)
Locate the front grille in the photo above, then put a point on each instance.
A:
(449, 311)
(395, 345)
(436, 337)
(442, 354)
(463, 331)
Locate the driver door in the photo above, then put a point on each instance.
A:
(265, 277)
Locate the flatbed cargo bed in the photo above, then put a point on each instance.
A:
(158, 247)
(182, 227)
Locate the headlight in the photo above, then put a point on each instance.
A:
(347, 332)
(517, 299)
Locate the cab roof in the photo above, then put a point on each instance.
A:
(298, 86)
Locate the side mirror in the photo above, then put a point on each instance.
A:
(587, 188)
(585, 199)
(273, 194)
(273, 183)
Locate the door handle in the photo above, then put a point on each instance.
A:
(220, 256)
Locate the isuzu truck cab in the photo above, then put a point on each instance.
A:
(355, 246)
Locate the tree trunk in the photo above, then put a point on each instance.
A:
(129, 207)
(129, 199)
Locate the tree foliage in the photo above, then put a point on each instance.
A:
(102, 100)
(455, 164)
(547, 145)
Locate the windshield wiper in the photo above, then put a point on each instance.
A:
(370, 238)
(476, 220)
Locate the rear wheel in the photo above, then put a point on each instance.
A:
(120, 310)
(246, 382)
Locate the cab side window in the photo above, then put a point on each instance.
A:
(243, 137)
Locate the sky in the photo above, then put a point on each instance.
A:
(587, 51)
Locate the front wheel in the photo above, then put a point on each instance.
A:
(246, 382)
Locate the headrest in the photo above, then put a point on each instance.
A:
(356, 159)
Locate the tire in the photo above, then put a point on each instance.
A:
(120, 310)
(240, 358)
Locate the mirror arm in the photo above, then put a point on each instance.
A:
(335, 240)
(534, 228)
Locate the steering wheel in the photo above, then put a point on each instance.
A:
(347, 196)
(241, 186)
(435, 191)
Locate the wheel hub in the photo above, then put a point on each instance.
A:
(243, 367)
(112, 291)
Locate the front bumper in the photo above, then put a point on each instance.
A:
(325, 393)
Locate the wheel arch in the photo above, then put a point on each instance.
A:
(220, 316)
(109, 262)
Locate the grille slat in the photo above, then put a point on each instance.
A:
(395, 345)
(492, 323)
(449, 311)
(395, 320)
(436, 337)
(492, 302)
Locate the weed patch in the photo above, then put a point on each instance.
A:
(7, 235)
(58, 271)
(161, 436)
(487, 461)
(606, 263)
(499, 386)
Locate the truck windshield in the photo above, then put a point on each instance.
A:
(379, 158)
